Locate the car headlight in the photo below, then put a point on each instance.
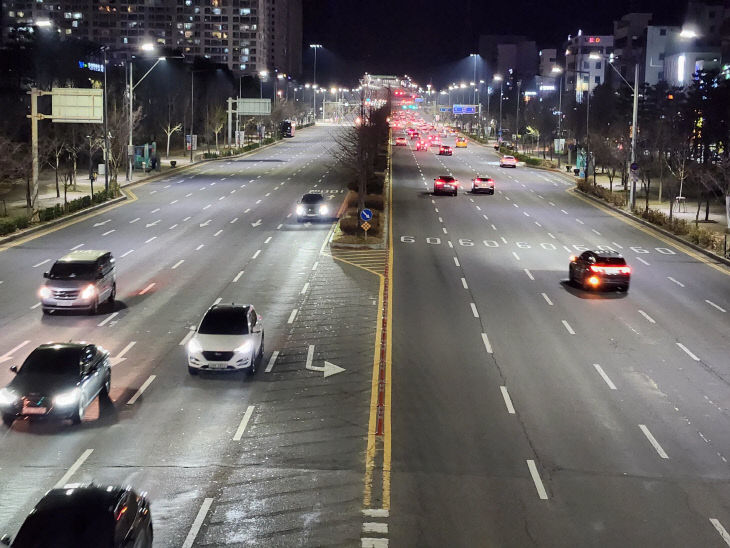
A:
(323, 210)
(88, 292)
(44, 292)
(245, 348)
(194, 346)
(7, 396)
(300, 210)
(67, 398)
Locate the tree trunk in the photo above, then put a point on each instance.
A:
(74, 175)
(699, 207)
(727, 208)
(707, 209)
(167, 154)
(58, 190)
(648, 186)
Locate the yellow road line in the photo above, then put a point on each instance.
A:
(387, 441)
(655, 234)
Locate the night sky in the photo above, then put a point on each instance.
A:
(426, 38)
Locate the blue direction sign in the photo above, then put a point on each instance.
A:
(465, 109)
(445, 109)
(366, 214)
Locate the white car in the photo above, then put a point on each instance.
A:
(230, 337)
(508, 161)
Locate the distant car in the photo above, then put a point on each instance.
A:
(482, 184)
(401, 142)
(230, 337)
(87, 516)
(415, 135)
(312, 206)
(599, 270)
(445, 150)
(446, 184)
(508, 161)
(460, 142)
(422, 145)
(434, 140)
(58, 380)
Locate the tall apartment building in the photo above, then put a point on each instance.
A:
(585, 62)
(245, 35)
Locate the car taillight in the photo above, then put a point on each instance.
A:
(572, 258)
(594, 280)
(611, 269)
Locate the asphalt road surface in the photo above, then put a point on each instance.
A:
(273, 460)
(530, 412)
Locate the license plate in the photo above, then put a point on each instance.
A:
(64, 303)
(217, 365)
(448, 186)
(34, 410)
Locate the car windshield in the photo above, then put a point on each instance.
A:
(312, 198)
(67, 526)
(52, 361)
(446, 178)
(618, 261)
(73, 271)
(224, 321)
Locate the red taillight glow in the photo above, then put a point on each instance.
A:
(594, 280)
(611, 269)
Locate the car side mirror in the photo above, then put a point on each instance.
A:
(14, 368)
(46, 275)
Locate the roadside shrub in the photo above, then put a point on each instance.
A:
(22, 222)
(349, 225)
(7, 226)
(47, 214)
(530, 161)
(375, 201)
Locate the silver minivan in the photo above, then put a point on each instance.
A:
(81, 280)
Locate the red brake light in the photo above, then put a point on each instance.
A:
(572, 258)
(611, 269)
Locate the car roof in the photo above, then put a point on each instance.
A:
(88, 495)
(229, 307)
(83, 256)
(607, 254)
(62, 346)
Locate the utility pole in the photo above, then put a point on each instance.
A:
(106, 130)
(192, 111)
(588, 141)
(517, 116)
(560, 117)
(634, 122)
(130, 148)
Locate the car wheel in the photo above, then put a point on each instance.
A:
(251, 371)
(79, 413)
(8, 420)
(94, 308)
(113, 294)
(192, 370)
(571, 277)
(261, 349)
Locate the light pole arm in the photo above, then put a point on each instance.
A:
(145, 74)
(622, 77)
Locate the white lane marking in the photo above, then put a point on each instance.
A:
(314, 266)
(680, 284)
(201, 246)
(564, 211)
(507, 198)
(152, 238)
(525, 213)
(217, 233)
(552, 204)
(238, 276)
(376, 512)
(579, 221)
(642, 260)
(181, 261)
(186, 219)
(76, 247)
(594, 230)
(219, 299)
(292, 315)
(463, 282)
(206, 207)
(272, 360)
(441, 220)
(456, 262)
(173, 227)
(155, 210)
(9, 354)
(567, 326)
(146, 289)
(547, 299)
(494, 227)
(197, 524)
(504, 240)
(444, 229)
(603, 375)
(516, 256)
(649, 318)
(478, 208)
(566, 248)
(267, 240)
(720, 529)
(125, 350)
(256, 254)
(653, 441)
(515, 205)
(187, 337)
(529, 274)
(304, 289)
(485, 217)
(279, 227)
(244, 423)
(688, 352)
(173, 202)
(134, 221)
(551, 235)
(233, 220)
(450, 244)
(41, 263)
(188, 195)
(36, 305)
(538, 224)
(536, 479)
(721, 309)
(267, 194)
(375, 527)
(258, 202)
(221, 198)
(487, 345)
(126, 253)
(109, 318)
(474, 310)
(507, 400)
(72, 470)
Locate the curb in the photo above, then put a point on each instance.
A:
(659, 229)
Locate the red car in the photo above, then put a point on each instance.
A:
(421, 145)
(599, 270)
(434, 141)
(445, 150)
(482, 184)
(401, 142)
(445, 184)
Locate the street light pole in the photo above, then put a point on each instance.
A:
(560, 118)
(106, 130)
(517, 116)
(635, 121)
(192, 111)
(315, 47)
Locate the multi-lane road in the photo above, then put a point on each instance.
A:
(529, 412)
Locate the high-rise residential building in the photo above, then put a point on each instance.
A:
(629, 45)
(245, 35)
(548, 61)
(658, 37)
(585, 62)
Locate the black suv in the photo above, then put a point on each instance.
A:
(600, 269)
(312, 206)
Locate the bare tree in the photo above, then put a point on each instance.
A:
(170, 130)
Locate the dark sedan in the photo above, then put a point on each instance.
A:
(87, 516)
(57, 380)
(599, 270)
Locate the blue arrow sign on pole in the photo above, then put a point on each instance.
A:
(366, 214)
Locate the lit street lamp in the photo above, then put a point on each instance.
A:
(315, 47)
(500, 79)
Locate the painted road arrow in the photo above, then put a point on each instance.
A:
(103, 222)
(206, 223)
(257, 223)
(328, 369)
(153, 224)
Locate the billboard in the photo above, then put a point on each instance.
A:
(77, 106)
(254, 107)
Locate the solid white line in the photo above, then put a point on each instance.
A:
(134, 220)
(376, 512)
(642, 260)
(36, 305)
(238, 276)
(256, 254)
(152, 238)
(219, 299)
(547, 299)
(187, 337)
(267, 240)
(127, 253)
(272, 360)
(217, 233)
(292, 315)
(76, 247)
(463, 282)
(456, 262)
(109, 232)
(567, 326)
(41, 263)
(689, 353)
(108, 319)
(653, 441)
(721, 309)
(651, 320)
(244, 423)
(126, 349)
(474, 310)
(720, 529)
(197, 524)
(507, 400)
(680, 284)
(314, 266)
(75, 466)
(304, 289)
(146, 289)
(487, 345)
(375, 527)
(141, 390)
(516, 255)
(603, 375)
(529, 275)
(536, 478)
